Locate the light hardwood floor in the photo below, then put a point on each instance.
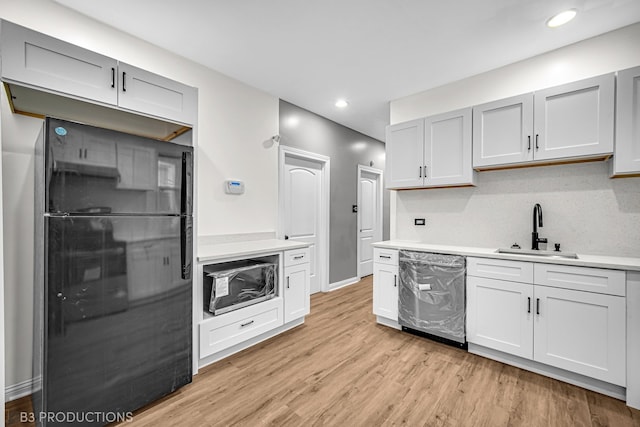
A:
(342, 369)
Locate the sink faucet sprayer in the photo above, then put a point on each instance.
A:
(537, 221)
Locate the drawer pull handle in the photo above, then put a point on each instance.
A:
(246, 324)
(385, 256)
(298, 257)
(528, 304)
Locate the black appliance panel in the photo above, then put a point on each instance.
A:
(94, 170)
(118, 331)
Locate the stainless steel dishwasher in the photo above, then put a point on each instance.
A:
(432, 296)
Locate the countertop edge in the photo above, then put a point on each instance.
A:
(223, 251)
(584, 260)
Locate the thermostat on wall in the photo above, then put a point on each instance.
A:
(234, 186)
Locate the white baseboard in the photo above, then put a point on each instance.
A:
(21, 389)
(343, 283)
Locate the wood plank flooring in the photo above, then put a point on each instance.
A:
(342, 369)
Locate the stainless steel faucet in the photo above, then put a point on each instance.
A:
(537, 222)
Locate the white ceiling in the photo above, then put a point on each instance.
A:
(311, 52)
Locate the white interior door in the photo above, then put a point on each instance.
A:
(303, 208)
(369, 216)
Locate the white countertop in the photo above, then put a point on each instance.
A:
(585, 260)
(209, 252)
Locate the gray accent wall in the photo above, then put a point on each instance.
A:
(347, 149)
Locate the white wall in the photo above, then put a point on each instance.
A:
(2, 382)
(233, 122)
(584, 210)
(609, 52)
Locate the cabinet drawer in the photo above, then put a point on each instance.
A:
(515, 271)
(385, 256)
(611, 282)
(295, 257)
(219, 333)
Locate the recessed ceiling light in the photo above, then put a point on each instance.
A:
(341, 103)
(561, 18)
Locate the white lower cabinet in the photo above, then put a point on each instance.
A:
(385, 284)
(297, 281)
(499, 315)
(562, 326)
(582, 332)
(229, 329)
(226, 333)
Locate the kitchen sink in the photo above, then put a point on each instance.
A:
(540, 253)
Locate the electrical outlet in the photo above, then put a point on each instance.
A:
(419, 221)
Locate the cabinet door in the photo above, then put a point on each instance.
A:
(138, 168)
(582, 332)
(500, 315)
(40, 61)
(155, 95)
(626, 159)
(296, 291)
(575, 119)
(447, 149)
(502, 131)
(385, 291)
(405, 156)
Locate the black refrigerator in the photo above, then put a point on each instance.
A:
(113, 286)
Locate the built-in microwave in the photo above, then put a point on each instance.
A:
(233, 285)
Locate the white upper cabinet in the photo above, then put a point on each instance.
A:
(53, 65)
(405, 154)
(41, 62)
(626, 159)
(502, 131)
(447, 149)
(152, 94)
(575, 119)
(430, 152)
(571, 121)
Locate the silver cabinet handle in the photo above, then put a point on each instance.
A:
(242, 325)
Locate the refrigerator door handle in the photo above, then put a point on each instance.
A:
(186, 194)
(186, 246)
